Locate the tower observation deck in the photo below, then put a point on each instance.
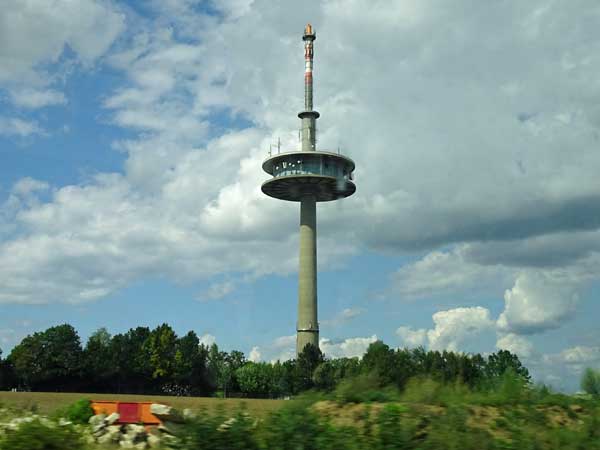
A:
(308, 176)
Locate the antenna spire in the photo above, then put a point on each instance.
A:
(308, 38)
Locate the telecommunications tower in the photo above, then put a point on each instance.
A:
(308, 176)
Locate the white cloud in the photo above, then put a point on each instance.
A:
(515, 344)
(349, 348)
(37, 31)
(564, 369)
(412, 338)
(344, 316)
(538, 301)
(254, 355)
(282, 348)
(455, 326)
(207, 339)
(28, 185)
(33, 98)
(445, 272)
(13, 126)
(191, 183)
(217, 291)
(453, 330)
(7, 337)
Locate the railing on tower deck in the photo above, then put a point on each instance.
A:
(298, 165)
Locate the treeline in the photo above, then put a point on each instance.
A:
(158, 361)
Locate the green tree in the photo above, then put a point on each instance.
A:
(130, 362)
(49, 360)
(502, 361)
(256, 379)
(404, 367)
(223, 366)
(380, 360)
(308, 360)
(4, 376)
(590, 382)
(324, 376)
(190, 366)
(97, 360)
(161, 346)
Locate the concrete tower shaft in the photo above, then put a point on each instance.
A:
(308, 325)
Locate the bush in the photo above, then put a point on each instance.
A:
(38, 435)
(79, 412)
(297, 427)
(390, 433)
(214, 432)
(590, 382)
(293, 427)
(422, 390)
(364, 388)
(450, 431)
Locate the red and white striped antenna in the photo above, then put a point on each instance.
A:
(309, 37)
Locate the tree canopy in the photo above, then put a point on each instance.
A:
(144, 360)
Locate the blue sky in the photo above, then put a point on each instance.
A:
(131, 142)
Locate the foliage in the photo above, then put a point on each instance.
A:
(79, 412)
(6, 374)
(308, 360)
(294, 427)
(223, 367)
(190, 366)
(364, 387)
(160, 346)
(157, 361)
(258, 379)
(214, 432)
(590, 382)
(502, 361)
(97, 359)
(37, 435)
(438, 416)
(380, 359)
(49, 360)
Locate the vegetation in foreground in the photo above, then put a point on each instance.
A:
(388, 399)
(426, 414)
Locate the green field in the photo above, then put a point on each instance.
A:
(47, 402)
(426, 415)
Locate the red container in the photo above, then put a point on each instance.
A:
(129, 412)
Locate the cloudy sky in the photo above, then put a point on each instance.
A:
(131, 140)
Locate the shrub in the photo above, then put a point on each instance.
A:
(293, 427)
(79, 412)
(364, 388)
(36, 435)
(590, 382)
(214, 432)
(451, 432)
(422, 390)
(390, 434)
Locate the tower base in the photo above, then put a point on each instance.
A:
(305, 337)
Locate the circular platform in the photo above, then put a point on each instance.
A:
(326, 175)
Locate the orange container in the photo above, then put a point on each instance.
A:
(147, 417)
(104, 407)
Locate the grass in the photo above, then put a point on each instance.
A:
(48, 402)
(426, 415)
